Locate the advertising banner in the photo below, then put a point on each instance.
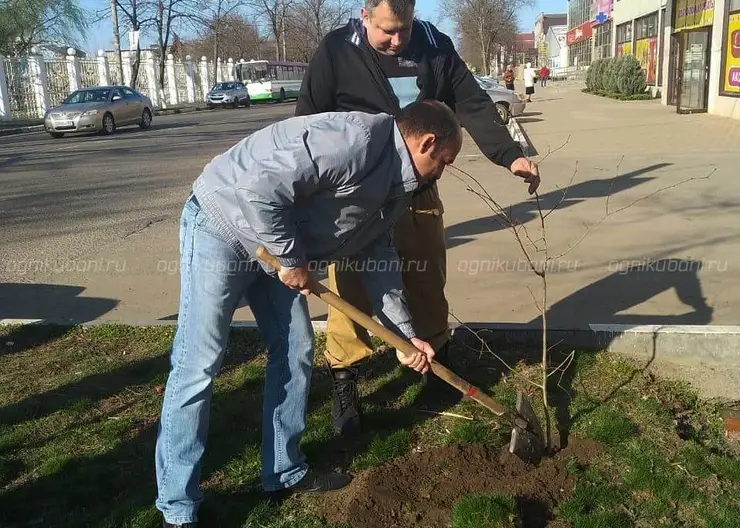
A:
(692, 14)
(624, 48)
(582, 32)
(601, 11)
(731, 83)
(646, 52)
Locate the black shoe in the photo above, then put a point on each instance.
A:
(165, 524)
(313, 482)
(345, 405)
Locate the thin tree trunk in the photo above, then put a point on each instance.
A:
(116, 39)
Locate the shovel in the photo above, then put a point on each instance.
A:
(526, 434)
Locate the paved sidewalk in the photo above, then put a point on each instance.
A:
(685, 237)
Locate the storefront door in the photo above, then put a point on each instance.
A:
(693, 71)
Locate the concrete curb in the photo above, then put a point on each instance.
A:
(516, 133)
(179, 110)
(718, 345)
(21, 130)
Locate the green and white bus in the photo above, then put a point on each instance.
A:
(271, 80)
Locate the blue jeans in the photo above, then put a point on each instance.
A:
(213, 280)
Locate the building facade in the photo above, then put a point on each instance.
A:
(639, 30)
(542, 25)
(590, 31)
(557, 49)
(702, 69)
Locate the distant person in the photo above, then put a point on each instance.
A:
(529, 81)
(509, 77)
(544, 75)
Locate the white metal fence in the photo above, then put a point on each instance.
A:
(31, 85)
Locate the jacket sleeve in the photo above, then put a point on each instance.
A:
(476, 111)
(318, 87)
(267, 202)
(381, 277)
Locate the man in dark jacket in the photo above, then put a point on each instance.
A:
(381, 63)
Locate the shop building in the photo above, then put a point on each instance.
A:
(589, 35)
(702, 69)
(543, 40)
(639, 30)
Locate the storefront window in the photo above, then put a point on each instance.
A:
(646, 45)
(731, 52)
(624, 32)
(579, 12)
(624, 39)
(603, 41)
(646, 26)
(580, 53)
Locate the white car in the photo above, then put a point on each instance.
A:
(508, 102)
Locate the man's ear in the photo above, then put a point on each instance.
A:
(428, 143)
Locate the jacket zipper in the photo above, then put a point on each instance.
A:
(379, 77)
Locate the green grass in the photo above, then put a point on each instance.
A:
(79, 410)
(484, 511)
(384, 449)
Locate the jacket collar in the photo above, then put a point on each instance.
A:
(422, 36)
(408, 173)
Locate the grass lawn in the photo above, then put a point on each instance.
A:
(79, 410)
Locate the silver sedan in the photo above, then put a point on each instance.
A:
(99, 109)
(508, 103)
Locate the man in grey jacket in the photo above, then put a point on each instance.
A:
(315, 189)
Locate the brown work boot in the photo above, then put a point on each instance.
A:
(345, 404)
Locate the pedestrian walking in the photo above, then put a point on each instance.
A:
(544, 75)
(529, 74)
(508, 77)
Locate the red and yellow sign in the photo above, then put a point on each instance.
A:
(625, 48)
(578, 34)
(732, 56)
(692, 14)
(646, 51)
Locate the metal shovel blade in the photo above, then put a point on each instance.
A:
(527, 441)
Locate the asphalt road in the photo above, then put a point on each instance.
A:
(65, 203)
(64, 198)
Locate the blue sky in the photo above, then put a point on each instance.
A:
(100, 36)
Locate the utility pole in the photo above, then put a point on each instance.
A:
(285, 15)
(285, 54)
(116, 40)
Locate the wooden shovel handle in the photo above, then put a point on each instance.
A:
(402, 345)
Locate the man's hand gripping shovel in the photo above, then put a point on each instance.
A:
(526, 435)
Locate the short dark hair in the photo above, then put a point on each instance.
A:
(398, 7)
(429, 116)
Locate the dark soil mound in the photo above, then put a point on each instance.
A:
(420, 490)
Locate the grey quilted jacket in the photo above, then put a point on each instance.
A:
(318, 189)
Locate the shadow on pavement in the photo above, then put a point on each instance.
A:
(523, 212)
(52, 303)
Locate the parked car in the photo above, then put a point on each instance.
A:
(231, 94)
(99, 109)
(508, 102)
